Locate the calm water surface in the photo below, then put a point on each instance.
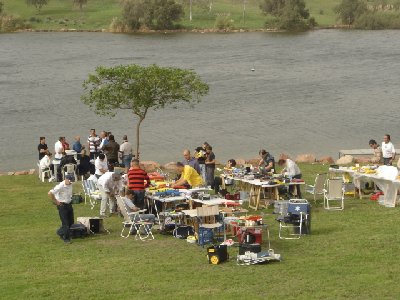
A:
(315, 92)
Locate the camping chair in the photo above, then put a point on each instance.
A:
(334, 192)
(91, 192)
(294, 219)
(143, 230)
(207, 217)
(318, 187)
(69, 169)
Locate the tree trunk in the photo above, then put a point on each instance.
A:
(138, 136)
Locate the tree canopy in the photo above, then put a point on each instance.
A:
(154, 14)
(37, 3)
(289, 14)
(141, 89)
(349, 10)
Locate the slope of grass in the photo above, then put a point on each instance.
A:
(351, 254)
(98, 14)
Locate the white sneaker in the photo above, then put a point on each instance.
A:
(52, 178)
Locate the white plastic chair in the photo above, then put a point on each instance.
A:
(334, 192)
(319, 185)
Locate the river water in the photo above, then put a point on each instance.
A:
(315, 92)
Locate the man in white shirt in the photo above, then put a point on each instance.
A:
(61, 195)
(58, 149)
(109, 185)
(46, 163)
(292, 170)
(101, 165)
(388, 151)
(93, 144)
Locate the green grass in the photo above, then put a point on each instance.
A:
(351, 254)
(98, 14)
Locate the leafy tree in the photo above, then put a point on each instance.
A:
(1, 7)
(79, 3)
(37, 3)
(289, 14)
(154, 14)
(349, 10)
(141, 89)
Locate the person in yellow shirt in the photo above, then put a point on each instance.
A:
(188, 176)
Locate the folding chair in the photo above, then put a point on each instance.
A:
(319, 185)
(143, 230)
(43, 172)
(69, 169)
(294, 219)
(334, 192)
(208, 221)
(91, 192)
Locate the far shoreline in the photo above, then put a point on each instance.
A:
(205, 30)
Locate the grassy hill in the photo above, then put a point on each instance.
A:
(351, 254)
(98, 14)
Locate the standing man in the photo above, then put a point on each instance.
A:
(59, 149)
(103, 140)
(42, 147)
(125, 151)
(138, 181)
(210, 166)
(93, 144)
(101, 165)
(191, 161)
(388, 151)
(109, 185)
(61, 195)
(111, 150)
(77, 146)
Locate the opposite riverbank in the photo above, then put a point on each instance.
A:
(96, 16)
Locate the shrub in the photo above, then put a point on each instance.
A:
(378, 20)
(117, 25)
(223, 22)
(10, 23)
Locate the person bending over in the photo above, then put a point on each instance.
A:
(267, 162)
(189, 176)
(291, 169)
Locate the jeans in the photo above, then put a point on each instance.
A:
(126, 160)
(210, 176)
(139, 199)
(386, 161)
(203, 171)
(66, 213)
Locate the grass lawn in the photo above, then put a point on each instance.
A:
(351, 254)
(98, 14)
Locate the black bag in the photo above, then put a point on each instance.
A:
(182, 232)
(243, 248)
(76, 199)
(78, 231)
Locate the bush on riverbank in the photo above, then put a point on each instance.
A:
(9, 23)
(378, 20)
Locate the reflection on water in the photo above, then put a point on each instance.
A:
(316, 92)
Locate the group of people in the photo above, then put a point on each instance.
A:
(384, 154)
(102, 153)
